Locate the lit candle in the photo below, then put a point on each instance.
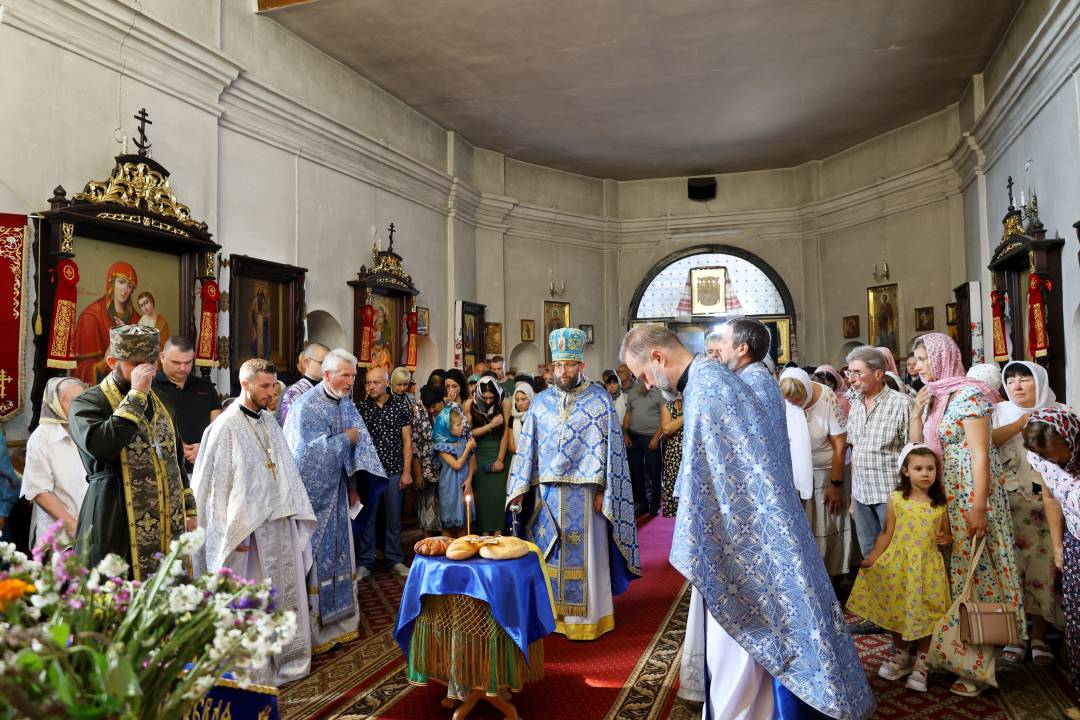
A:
(468, 525)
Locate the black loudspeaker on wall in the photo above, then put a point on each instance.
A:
(701, 188)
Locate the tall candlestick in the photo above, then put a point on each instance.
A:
(468, 514)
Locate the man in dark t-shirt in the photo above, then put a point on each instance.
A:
(194, 400)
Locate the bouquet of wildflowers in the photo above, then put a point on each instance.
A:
(79, 642)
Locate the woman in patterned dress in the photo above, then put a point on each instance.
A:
(957, 429)
(426, 466)
(671, 422)
(1028, 389)
(1052, 437)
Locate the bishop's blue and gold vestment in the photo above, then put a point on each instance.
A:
(571, 446)
(742, 539)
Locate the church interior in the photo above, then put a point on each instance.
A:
(435, 184)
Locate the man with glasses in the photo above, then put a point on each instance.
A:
(311, 369)
(877, 432)
(388, 418)
(571, 445)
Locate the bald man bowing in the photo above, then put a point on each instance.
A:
(774, 631)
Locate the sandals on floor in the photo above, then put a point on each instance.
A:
(1014, 653)
(917, 680)
(1041, 653)
(967, 688)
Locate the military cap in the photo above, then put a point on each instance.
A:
(134, 342)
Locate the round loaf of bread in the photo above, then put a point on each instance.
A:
(507, 548)
(432, 546)
(462, 549)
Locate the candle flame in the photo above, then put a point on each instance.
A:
(468, 498)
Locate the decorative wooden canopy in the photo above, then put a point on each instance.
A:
(1027, 251)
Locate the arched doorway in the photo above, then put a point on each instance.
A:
(693, 290)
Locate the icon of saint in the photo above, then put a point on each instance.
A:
(113, 309)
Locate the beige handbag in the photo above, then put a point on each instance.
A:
(985, 623)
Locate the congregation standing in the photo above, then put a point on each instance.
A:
(902, 477)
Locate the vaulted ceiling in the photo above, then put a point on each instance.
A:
(630, 89)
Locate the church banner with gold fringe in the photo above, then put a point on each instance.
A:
(13, 253)
(61, 355)
(206, 351)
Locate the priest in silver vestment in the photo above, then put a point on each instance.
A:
(255, 509)
(330, 444)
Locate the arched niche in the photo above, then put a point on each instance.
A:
(765, 292)
(841, 358)
(751, 288)
(427, 359)
(323, 328)
(525, 357)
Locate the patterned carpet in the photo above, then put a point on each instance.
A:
(629, 674)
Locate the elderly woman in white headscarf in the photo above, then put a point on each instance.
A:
(1035, 516)
(54, 478)
(818, 411)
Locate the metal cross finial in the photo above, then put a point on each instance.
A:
(144, 119)
(1010, 186)
(391, 231)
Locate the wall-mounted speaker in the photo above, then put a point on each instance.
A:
(701, 189)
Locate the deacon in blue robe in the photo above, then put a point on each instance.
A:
(571, 444)
(330, 443)
(775, 636)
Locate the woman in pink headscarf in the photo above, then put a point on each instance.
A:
(830, 376)
(890, 361)
(957, 428)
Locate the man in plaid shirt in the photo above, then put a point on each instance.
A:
(877, 432)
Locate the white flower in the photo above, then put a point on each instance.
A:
(184, 599)
(7, 550)
(189, 542)
(94, 580)
(44, 601)
(112, 566)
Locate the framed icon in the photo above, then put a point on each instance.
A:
(883, 317)
(851, 326)
(950, 314)
(556, 315)
(528, 331)
(423, 320)
(924, 319)
(493, 338)
(708, 287)
(588, 330)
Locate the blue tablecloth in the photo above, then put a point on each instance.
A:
(516, 590)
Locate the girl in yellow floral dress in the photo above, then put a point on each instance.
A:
(903, 586)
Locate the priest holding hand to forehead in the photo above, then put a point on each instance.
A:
(255, 509)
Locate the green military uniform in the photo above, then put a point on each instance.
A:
(138, 496)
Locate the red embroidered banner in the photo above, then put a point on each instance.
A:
(1038, 342)
(206, 352)
(1001, 347)
(367, 320)
(411, 322)
(62, 333)
(13, 247)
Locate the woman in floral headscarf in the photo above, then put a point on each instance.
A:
(1028, 390)
(1052, 437)
(957, 428)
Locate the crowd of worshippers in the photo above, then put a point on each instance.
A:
(895, 470)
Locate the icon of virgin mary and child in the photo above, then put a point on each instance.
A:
(113, 309)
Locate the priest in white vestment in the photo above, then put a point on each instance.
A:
(255, 509)
(330, 444)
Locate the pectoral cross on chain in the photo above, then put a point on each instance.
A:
(271, 466)
(4, 380)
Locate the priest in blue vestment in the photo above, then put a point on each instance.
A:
(571, 445)
(776, 643)
(330, 443)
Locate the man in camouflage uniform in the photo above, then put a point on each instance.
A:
(138, 500)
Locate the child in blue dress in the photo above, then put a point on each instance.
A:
(458, 466)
